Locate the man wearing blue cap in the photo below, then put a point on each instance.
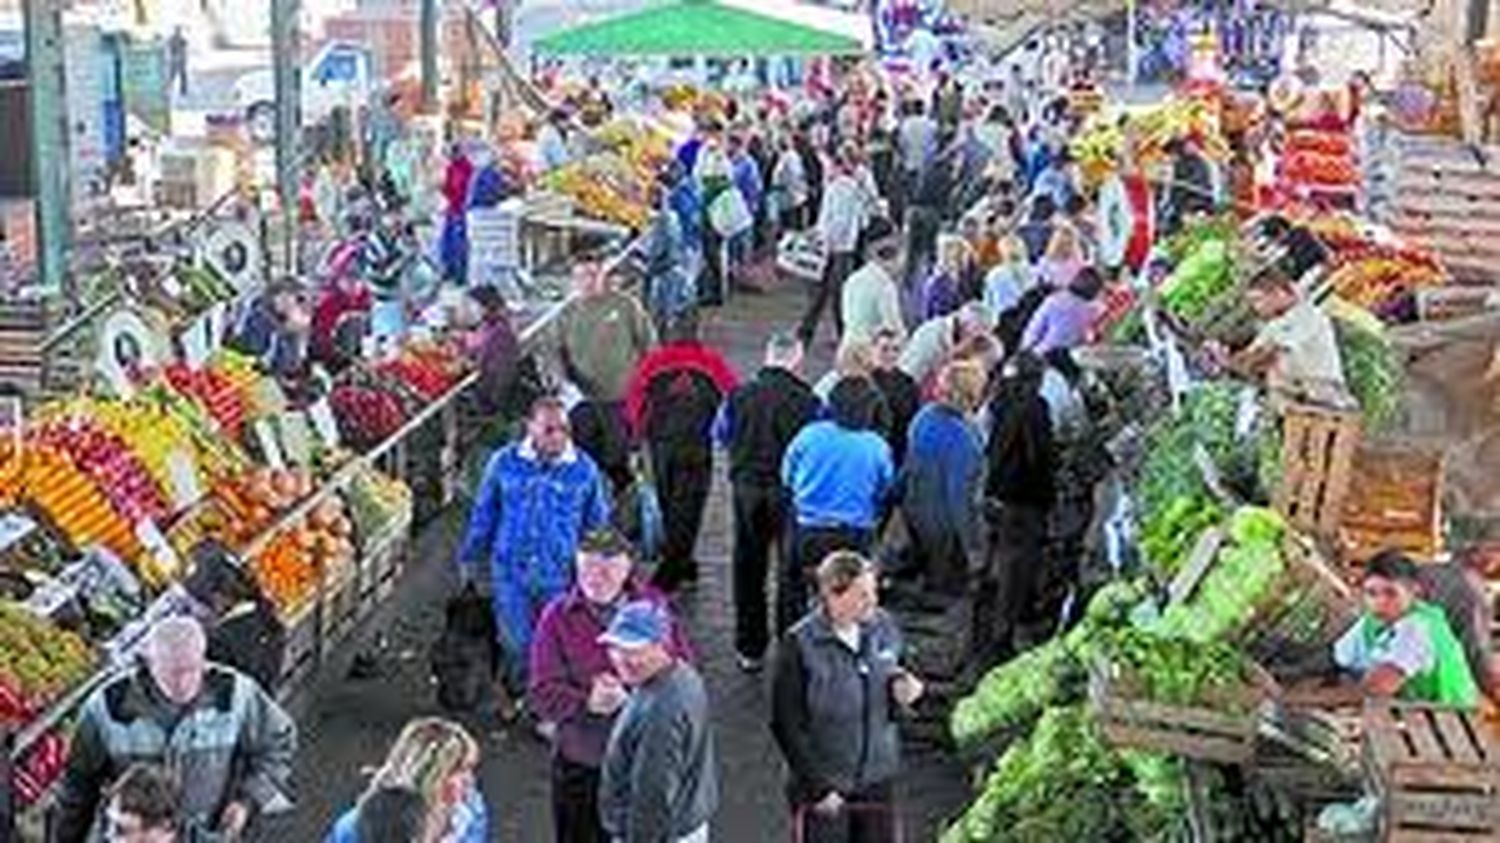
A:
(660, 780)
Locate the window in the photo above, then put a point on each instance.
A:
(338, 67)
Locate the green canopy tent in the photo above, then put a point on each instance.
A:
(695, 28)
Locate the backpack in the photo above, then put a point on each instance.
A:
(466, 654)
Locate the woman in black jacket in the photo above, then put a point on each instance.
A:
(1020, 488)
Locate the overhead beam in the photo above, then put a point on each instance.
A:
(49, 138)
(429, 39)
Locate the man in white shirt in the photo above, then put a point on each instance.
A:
(1297, 342)
(871, 298)
(843, 215)
(936, 341)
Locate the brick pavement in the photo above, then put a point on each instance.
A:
(346, 724)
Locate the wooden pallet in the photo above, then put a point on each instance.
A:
(1396, 502)
(1222, 731)
(1437, 772)
(1319, 440)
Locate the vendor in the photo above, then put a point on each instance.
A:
(1296, 343)
(1302, 250)
(1401, 646)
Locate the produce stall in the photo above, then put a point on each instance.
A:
(315, 495)
(1188, 702)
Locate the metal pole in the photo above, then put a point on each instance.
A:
(287, 69)
(49, 138)
(1132, 59)
(429, 38)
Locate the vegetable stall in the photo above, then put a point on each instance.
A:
(1189, 700)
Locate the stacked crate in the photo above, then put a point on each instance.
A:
(1447, 198)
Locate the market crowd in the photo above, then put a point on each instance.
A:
(953, 452)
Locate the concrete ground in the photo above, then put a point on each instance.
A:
(347, 724)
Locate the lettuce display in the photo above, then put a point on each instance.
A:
(1195, 233)
(1204, 276)
(1247, 572)
(1063, 782)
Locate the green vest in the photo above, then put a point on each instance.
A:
(1448, 681)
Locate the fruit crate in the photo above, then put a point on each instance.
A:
(1395, 500)
(23, 331)
(301, 654)
(382, 563)
(340, 605)
(1436, 771)
(1319, 436)
(1221, 729)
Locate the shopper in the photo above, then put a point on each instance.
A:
(1019, 492)
(1036, 232)
(670, 287)
(844, 214)
(538, 497)
(942, 291)
(1066, 318)
(602, 333)
(660, 781)
(1063, 260)
(145, 807)
(756, 424)
(840, 473)
(276, 329)
(789, 190)
(943, 466)
(572, 683)
(232, 743)
(437, 760)
(838, 685)
(498, 351)
(670, 404)
(900, 392)
(937, 341)
(384, 815)
(1008, 279)
(871, 298)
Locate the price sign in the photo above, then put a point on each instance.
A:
(324, 423)
(270, 447)
(184, 477)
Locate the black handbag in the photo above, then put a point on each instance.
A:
(466, 655)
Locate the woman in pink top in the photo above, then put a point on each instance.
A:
(1066, 318)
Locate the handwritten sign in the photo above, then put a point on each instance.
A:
(324, 423)
(270, 447)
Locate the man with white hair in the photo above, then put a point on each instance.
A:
(225, 739)
(939, 340)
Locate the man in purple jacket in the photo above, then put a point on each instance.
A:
(572, 684)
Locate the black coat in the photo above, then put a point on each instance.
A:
(763, 415)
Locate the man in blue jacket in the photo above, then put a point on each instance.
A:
(539, 496)
(840, 475)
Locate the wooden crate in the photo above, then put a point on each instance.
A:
(1222, 731)
(1310, 608)
(1395, 502)
(1317, 455)
(340, 609)
(1436, 771)
(1439, 304)
(301, 655)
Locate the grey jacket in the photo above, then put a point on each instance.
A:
(660, 780)
(234, 743)
(831, 708)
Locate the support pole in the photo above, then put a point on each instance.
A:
(49, 139)
(1132, 57)
(287, 69)
(429, 38)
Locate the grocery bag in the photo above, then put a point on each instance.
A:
(728, 214)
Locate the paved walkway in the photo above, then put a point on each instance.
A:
(347, 724)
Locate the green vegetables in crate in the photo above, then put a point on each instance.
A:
(1167, 538)
(1199, 280)
(1175, 670)
(1222, 228)
(1374, 372)
(1246, 573)
(1064, 782)
(1012, 695)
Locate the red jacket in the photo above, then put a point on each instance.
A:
(682, 356)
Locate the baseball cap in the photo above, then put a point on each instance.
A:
(637, 624)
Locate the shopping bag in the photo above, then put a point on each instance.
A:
(729, 215)
(879, 823)
(466, 655)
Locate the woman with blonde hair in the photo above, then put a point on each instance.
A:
(1063, 258)
(436, 759)
(944, 462)
(855, 358)
(942, 291)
